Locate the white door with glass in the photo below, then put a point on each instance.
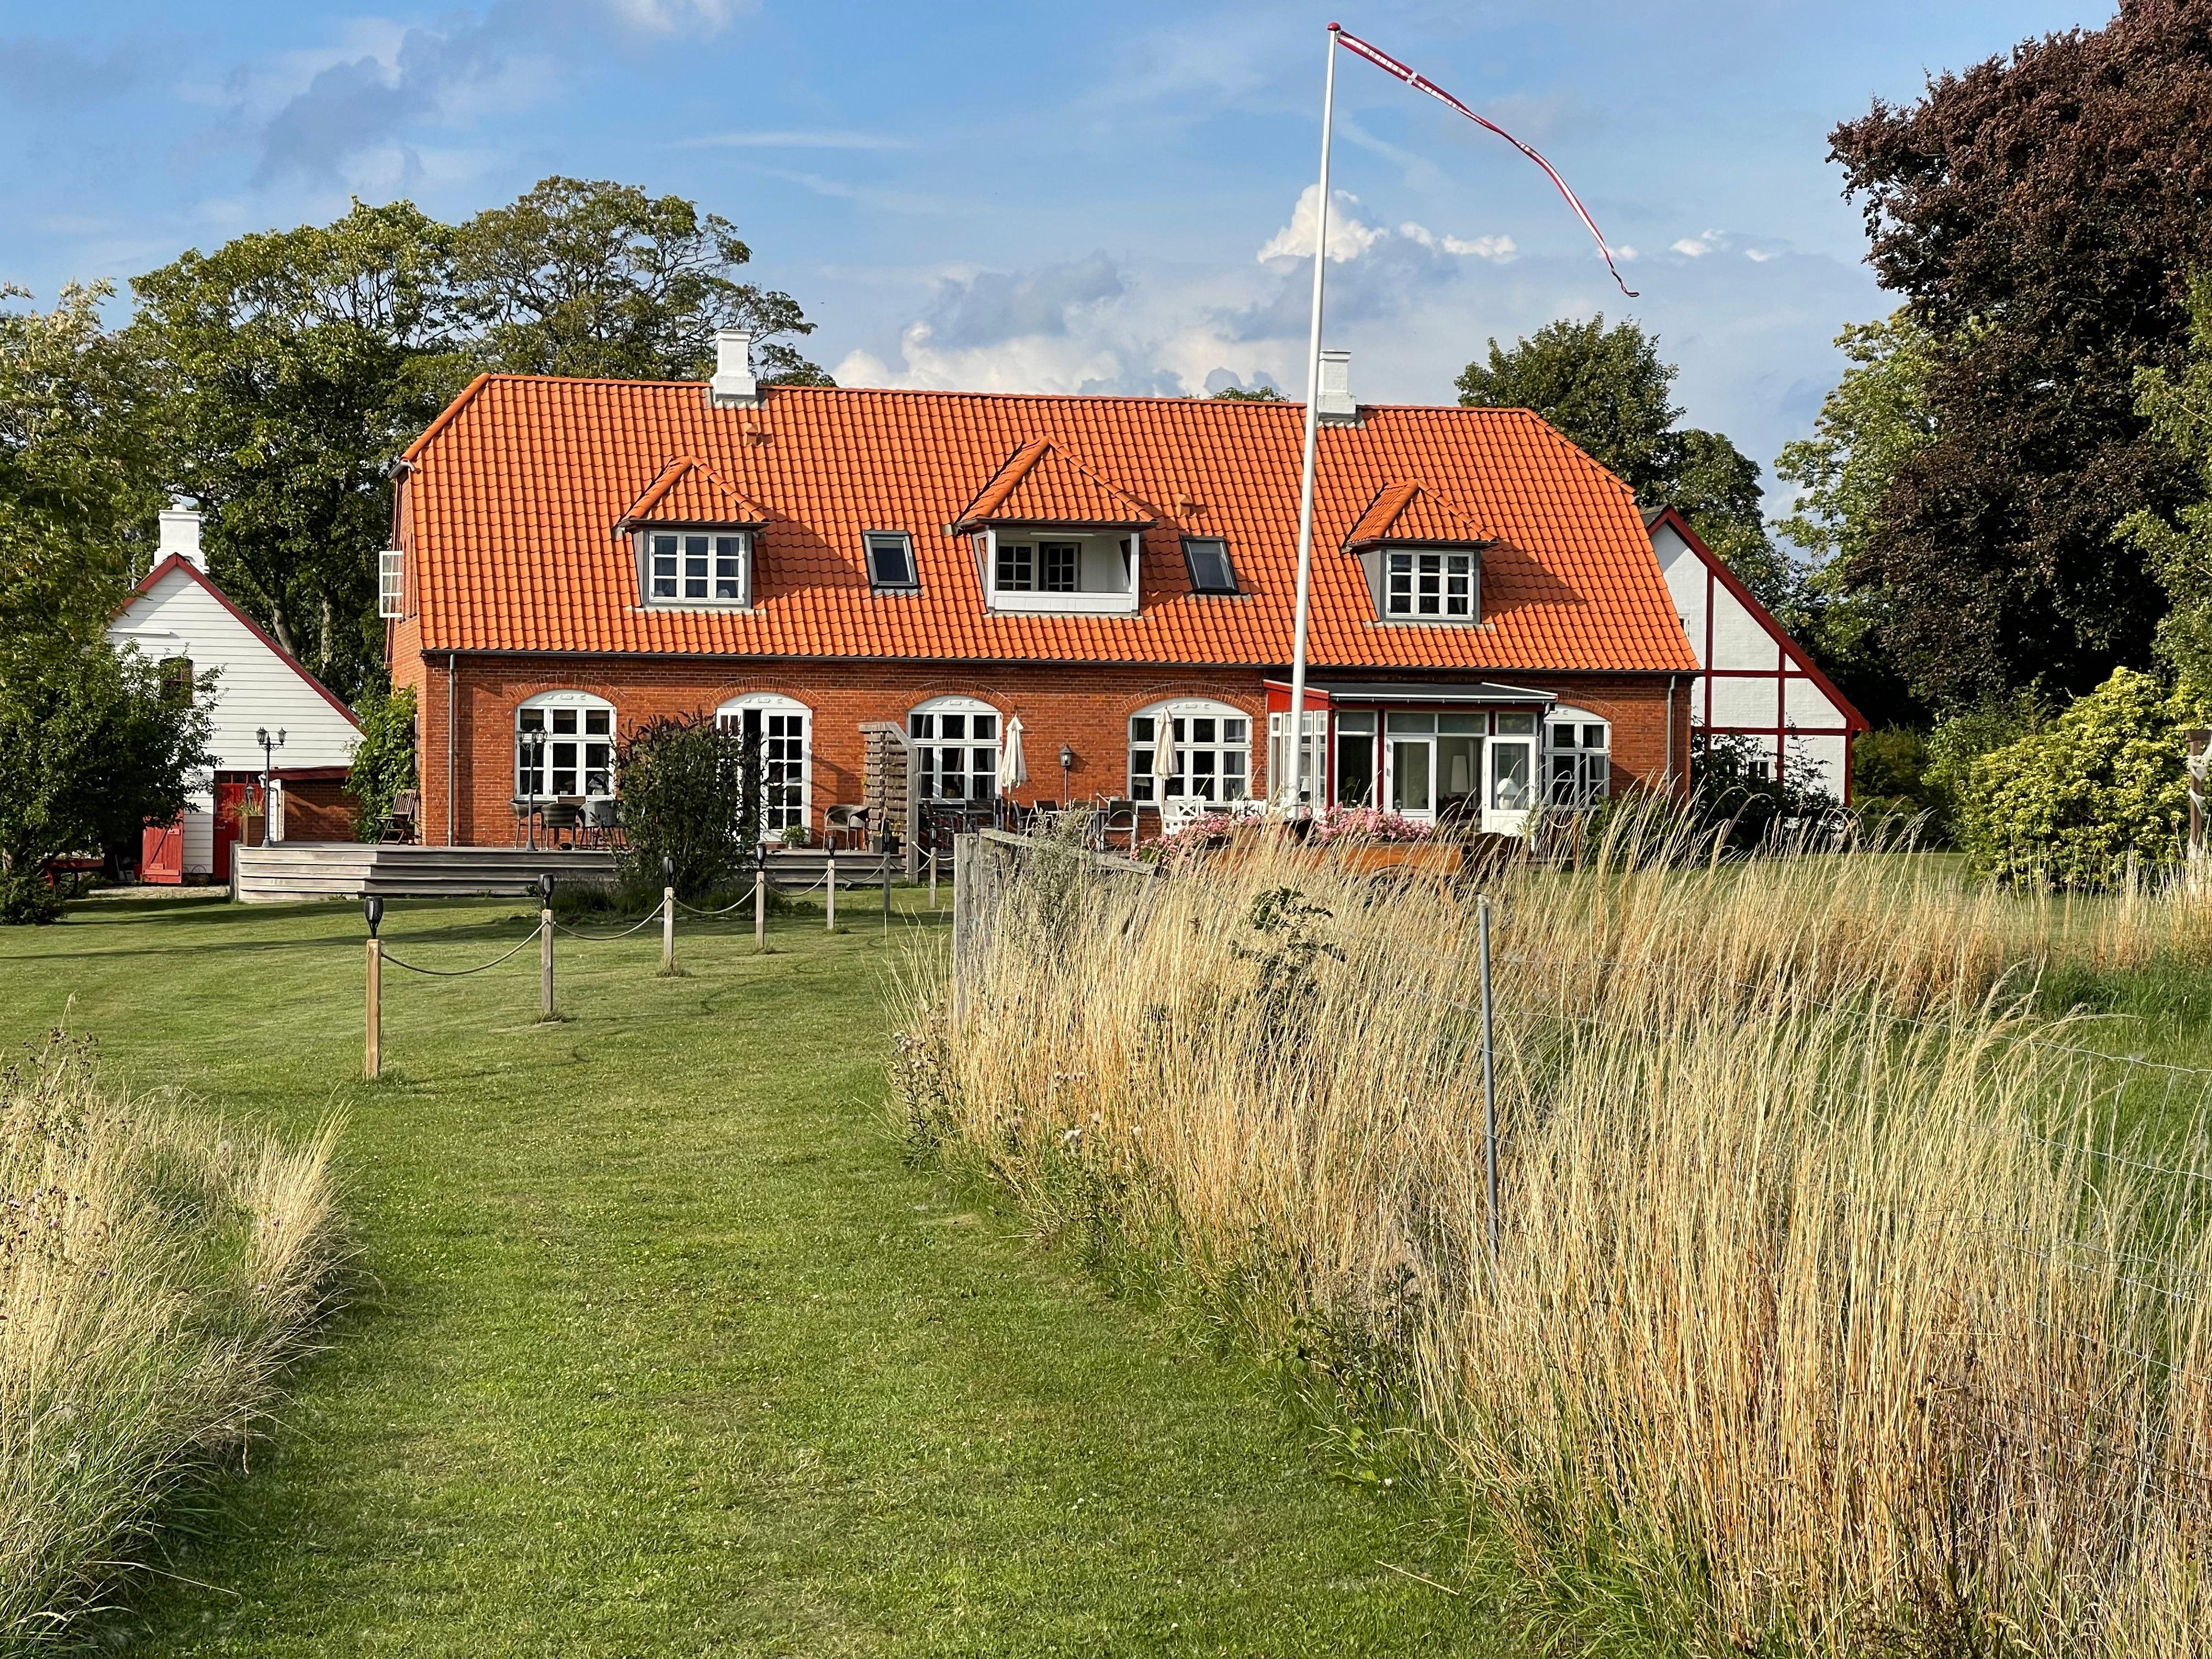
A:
(1509, 774)
(1432, 765)
(777, 727)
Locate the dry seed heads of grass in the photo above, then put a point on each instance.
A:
(1801, 1325)
(157, 1273)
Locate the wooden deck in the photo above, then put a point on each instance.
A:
(292, 870)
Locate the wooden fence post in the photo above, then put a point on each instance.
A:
(829, 890)
(668, 930)
(546, 961)
(760, 908)
(373, 1061)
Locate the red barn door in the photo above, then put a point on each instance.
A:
(162, 854)
(230, 794)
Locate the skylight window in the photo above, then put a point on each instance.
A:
(1210, 569)
(891, 559)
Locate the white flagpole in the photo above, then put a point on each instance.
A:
(1292, 787)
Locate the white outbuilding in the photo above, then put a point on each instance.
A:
(1756, 682)
(180, 619)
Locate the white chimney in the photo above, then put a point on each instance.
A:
(180, 535)
(733, 385)
(1333, 403)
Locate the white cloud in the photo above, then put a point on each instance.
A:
(1348, 237)
(675, 17)
(1696, 247)
(1498, 249)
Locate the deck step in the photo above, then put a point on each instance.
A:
(340, 870)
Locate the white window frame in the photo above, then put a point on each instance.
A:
(391, 585)
(547, 712)
(1313, 759)
(928, 768)
(1147, 789)
(1413, 577)
(679, 556)
(787, 784)
(1033, 597)
(1587, 776)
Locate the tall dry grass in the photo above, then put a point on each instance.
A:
(1823, 1321)
(157, 1273)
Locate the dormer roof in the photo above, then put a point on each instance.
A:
(688, 491)
(1412, 515)
(1039, 483)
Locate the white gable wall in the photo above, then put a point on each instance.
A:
(178, 617)
(1752, 686)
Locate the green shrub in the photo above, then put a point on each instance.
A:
(1889, 776)
(690, 795)
(1965, 736)
(2103, 789)
(384, 761)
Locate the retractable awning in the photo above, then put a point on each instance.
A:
(1480, 692)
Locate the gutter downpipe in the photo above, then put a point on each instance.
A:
(453, 660)
(1673, 788)
(1293, 786)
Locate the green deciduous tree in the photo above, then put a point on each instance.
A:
(1610, 392)
(596, 278)
(92, 749)
(2099, 793)
(2179, 406)
(78, 491)
(295, 364)
(2038, 212)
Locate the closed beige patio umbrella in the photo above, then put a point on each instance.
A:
(1013, 770)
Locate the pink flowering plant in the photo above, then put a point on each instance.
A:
(1367, 824)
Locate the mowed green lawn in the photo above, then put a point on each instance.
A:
(657, 1347)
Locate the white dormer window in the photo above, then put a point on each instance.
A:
(1081, 572)
(1423, 586)
(696, 568)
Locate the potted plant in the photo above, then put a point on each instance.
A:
(794, 835)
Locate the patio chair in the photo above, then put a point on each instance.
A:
(401, 826)
(602, 821)
(1111, 815)
(524, 812)
(1177, 811)
(561, 817)
(850, 822)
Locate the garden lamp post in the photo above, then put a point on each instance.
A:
(269, 747)
(1066, 766)
(533, 745)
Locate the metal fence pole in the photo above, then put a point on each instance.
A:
(373, 1060)
(546, 960)
(1488, 1077)
(829, 890)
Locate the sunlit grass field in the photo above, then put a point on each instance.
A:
(656, 1346)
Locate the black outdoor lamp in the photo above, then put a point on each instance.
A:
(372, 911)
(667, 871)
(545, 889)
(1066, 766)
(269, 746)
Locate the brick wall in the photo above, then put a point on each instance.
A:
(1085, 707)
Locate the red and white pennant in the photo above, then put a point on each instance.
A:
(1383, 61)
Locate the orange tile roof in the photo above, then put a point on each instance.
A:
(689, 492)
(517, 486)
(1040, 485)
(1407, 512)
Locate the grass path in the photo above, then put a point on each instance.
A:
(660, 1349)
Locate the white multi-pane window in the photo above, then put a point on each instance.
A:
(1429, 585)
(1190, 749)
(1017, 571)
(778, 727)
(1578, 759)
(392, 584)
(1059, 565)
(956, 749)
(695, 566)
(564, 746)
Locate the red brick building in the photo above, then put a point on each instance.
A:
(1490, 630)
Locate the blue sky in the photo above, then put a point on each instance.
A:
(1060, 197)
